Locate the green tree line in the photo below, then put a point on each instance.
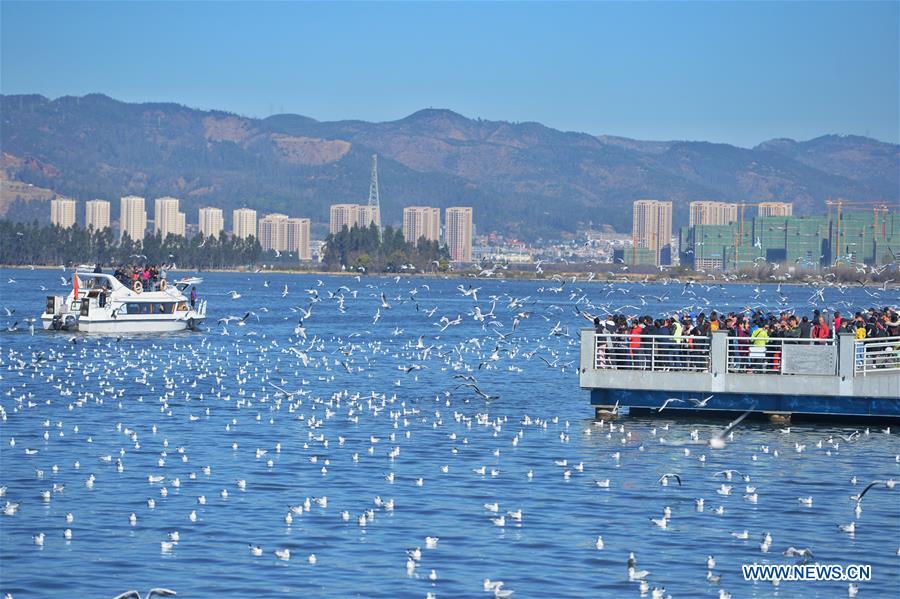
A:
(35, 244)
(363, 249)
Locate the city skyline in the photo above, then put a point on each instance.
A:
(644, 59)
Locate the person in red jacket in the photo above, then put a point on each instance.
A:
(821, 330)
(634, 345)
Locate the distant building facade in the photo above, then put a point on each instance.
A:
(809, 242)
(167, 219)
(62, 212)
(211, 222)
(298, 237)
(273, 232)
(706, 212)
(652, 229)
(421, 221)
(243, 223)
(279, 232)
(132, 217)
(96, 214)
(458, 233)
(774, 209)
(350, 215)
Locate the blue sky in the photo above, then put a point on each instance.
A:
(731, 72)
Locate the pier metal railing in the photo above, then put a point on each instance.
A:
(781, 355)
(878, 354)
(623, 351)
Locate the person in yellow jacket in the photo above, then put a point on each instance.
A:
(760, 335)
(758, 339)
(860, 334)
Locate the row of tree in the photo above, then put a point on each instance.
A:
(23, 244)
(366, 250)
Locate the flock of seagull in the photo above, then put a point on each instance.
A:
(359, 373)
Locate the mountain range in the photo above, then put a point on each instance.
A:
(523, 179)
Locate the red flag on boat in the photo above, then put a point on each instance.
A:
(75, 285)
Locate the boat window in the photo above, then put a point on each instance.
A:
(134, 308)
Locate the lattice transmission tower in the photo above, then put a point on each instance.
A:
(374, 202)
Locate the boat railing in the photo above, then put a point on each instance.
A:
(878, 354)
(624, 351)
(782, 355)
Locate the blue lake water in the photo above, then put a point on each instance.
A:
(358, 416)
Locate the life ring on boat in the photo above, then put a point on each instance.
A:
(138, 287)
(162, 285)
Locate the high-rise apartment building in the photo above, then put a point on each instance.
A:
(298, 237)
(243, 223)
(340, 216)
(132, 217)
(96, 214)
(166, 217)
(367, 215)
(652, 229)
(281, 233)
(350, 215)
(272, 231)
(713, 213)
(62, 212)
(458, 233)
(421, 221)
(775, 209)
(211, 222)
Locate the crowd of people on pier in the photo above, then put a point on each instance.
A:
(682, 341)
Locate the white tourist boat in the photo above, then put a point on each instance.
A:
(100, 303)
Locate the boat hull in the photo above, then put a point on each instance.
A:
(824, 405)
(136, 325)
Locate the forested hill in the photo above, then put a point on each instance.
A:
(523, 179)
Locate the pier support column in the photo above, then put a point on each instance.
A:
(718, 359)
(845, 358)
(587, 350)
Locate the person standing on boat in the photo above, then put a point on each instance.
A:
(193, 297)
(97, 269)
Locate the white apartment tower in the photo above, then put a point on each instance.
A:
(458, 233)
(421, 221)
(243, 223)
(652, 226)
(775, 209)
(705, 212)
(298, 237)
(132, 217)
(211, 222)
(350, 215)
(62, 212)
(273, 232)
(278, 232)
(96, 214)
(166, 217)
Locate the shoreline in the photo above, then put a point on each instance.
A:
(549, 275)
